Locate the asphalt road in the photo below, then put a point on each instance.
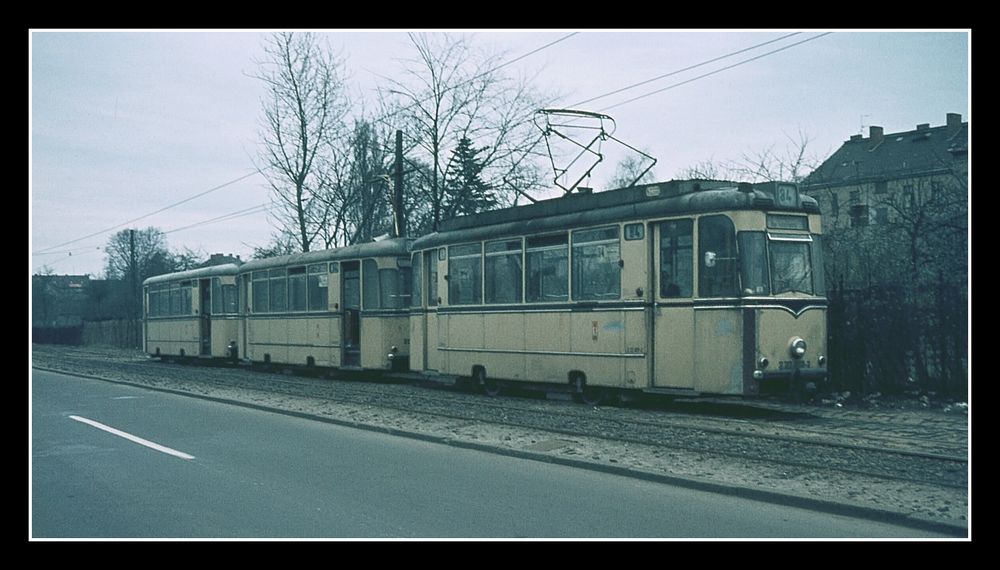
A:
(204, 469)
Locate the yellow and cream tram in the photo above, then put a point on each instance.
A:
(341, 308)
(192, 313)
(684, 287)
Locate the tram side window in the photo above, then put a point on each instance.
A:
(163, 301)
(503, 271)
(216, 296)
(152, 302)
(175, 299)
(417, 286)
(753, 263)
(819, 272)
(465, 275)
(260, 292)
(548, 268)
(279, 290)
(297, 289)
(185, 308)
(317, 284)
(432, 278)
(596, 264)
(676, 251)
(229, 299)
(717, 257)
(223, 297)
(393, 286)
(369, 283)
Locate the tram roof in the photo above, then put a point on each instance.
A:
(638, 202)
(387, 247)
(200, 273)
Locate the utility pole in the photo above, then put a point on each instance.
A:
(135, 288)
(399, 217)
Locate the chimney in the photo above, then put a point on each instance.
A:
(954, 124)
(923, 126)
(855, 138)
(875, 137)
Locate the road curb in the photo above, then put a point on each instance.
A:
(787, 499)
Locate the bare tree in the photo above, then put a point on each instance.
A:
(629, 170)
(151, 256)
(452, 91)
(280, 244)
(791, 163)
(303, 111)
(360, 185)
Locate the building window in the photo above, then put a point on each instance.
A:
(881, 216)
(909, 196)
(834, 204)
(855, 197)
(936, 188)
(859, 216)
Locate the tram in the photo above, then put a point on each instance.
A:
(682, 288)
(343, 308)
(192, 313)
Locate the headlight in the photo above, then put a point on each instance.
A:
(797, 347)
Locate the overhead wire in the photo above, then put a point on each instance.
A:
(144, 216)
(713, 72)
(688, 68)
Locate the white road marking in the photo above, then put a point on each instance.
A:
(133, 438)
(125, 398)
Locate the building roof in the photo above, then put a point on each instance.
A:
(923, 151)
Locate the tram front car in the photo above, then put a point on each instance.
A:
(783, 293)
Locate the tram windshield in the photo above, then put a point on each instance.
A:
(776, 266)
(791, 267)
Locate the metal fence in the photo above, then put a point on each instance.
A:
(117, 333)
(899, 338)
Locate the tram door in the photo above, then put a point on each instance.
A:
(351, 303)
(431, 354)
(205, 285)
(673, 316)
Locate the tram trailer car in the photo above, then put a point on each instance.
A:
(344, 308)
(192, 313)
(681, 288)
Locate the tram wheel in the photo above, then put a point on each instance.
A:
(587, 394)
(491, 386)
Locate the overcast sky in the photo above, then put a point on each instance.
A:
(123, 124)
